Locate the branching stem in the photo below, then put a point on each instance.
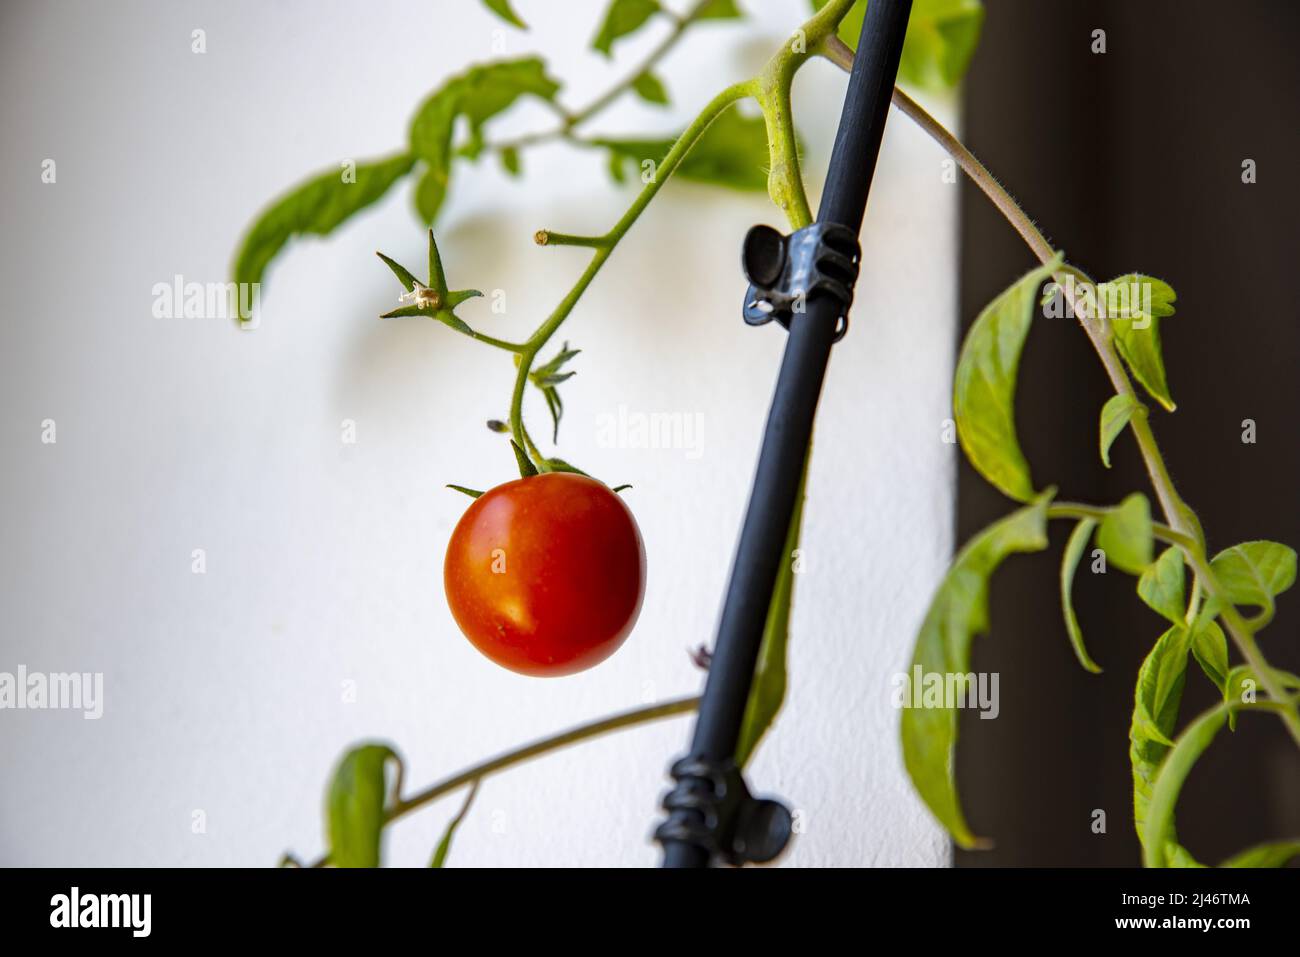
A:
(1177, 513)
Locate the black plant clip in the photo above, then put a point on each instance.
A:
(786, 271)
(712, 808)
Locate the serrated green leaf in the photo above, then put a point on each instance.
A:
(502, 9)
(1161, 585)
(941, 39)
(1069, 564)
(1210, 649)
(984, 386)
(767, 691)
(719, 10)
(478, 94)
(1135, 304)
(1115, 414)
(1157, 830)
(1277, 854)
(958, 612)
(622, 18)
(1254, 573)
(649, 88)
(1156, 699)
(1125, 534)
(444, 846)
(355, 803)
(732, 152)
(314, 207)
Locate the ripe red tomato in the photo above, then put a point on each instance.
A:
(545, 575)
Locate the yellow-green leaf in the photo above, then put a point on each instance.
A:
(1125, 534)
(984, 387)
(1135, 304)
(1115, 414)
(1156, 699)
(1157, 830)
(1277, 854)
(958, 612)
(1254, 573)
(941, 39)
(1161, 585)
(355, 806)
(1069, 564)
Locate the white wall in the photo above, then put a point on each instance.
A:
(323, 560)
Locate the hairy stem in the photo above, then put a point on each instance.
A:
(1176, 511)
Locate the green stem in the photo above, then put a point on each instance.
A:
(1176, 511)
(604, 245)
(571, 121)
(617, 722)
(1076, 510)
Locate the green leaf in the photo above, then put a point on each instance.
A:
(471, 492)
(440, 853)
(719, 10)
(526, 467)
(502, 9)
(546, 377)
(510, 161)
(409, 312)
(1125, 534)
(478, 94)
(1069, 564)
(1254, 573)
(1161, 585)
(623, 17)
(314, 207)
(1278, 854)
(1158, 827)
(1115, 414)
(984, 387)
(620, 488)
(767, 692)
(941, 39)
(732, 152)
(1178, 856)
(1235, 688)
(958, 612)
(1156, 699)
(649, 88)
(403, 274)
(1210, 648)
(355, 805)
(559, 465)
(1136, 325)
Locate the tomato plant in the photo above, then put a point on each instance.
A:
(545, 575)
(571, 564)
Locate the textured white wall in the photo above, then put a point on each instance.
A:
(324, 560)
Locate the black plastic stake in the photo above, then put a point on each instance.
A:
(711, 815)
